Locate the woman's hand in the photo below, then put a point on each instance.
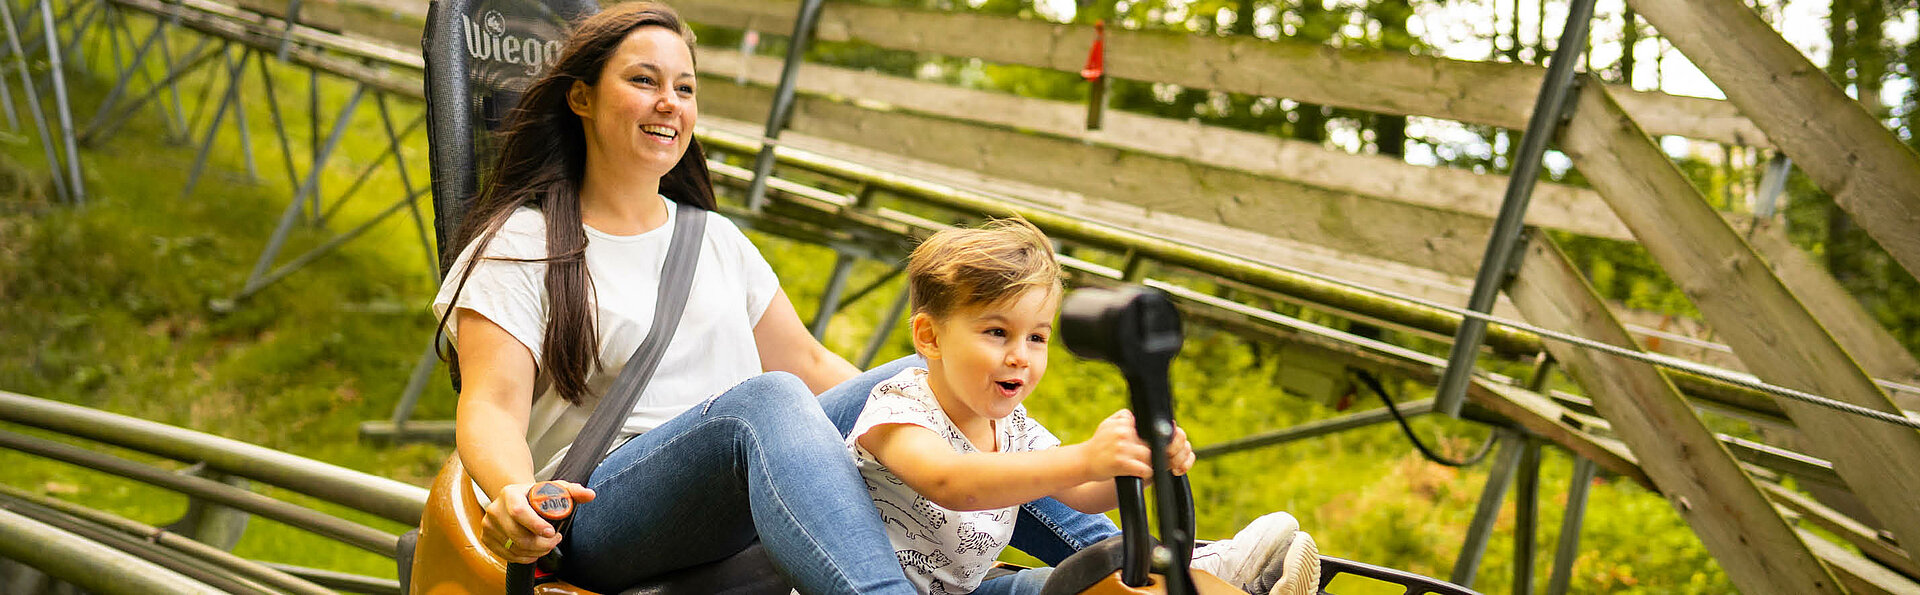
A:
(515, 532)
(1180, 452)
(1116, 449)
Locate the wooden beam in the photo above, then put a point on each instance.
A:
(1829, 135)
(1878, 352)
(1371, 80)
(1861, 536)
(1706, 485)
(1424, 237)
(1757, 316)
(1860, 575)
(1557, 206)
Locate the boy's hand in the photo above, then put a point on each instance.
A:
(1180, 452)
(1116, 449)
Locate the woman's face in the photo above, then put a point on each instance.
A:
(639, 116)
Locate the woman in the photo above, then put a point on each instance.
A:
(728, 441)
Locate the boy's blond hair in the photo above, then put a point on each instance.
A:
(963, 267)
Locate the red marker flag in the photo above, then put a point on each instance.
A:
(1097, 55)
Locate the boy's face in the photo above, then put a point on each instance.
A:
(986, 359)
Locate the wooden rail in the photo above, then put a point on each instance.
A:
(1557, 206)
(1375, 81)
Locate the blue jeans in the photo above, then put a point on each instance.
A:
(759, 459)
(1047, 529)
(1025, 582)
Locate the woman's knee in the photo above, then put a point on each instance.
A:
(773, 397)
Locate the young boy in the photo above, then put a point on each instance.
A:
(949, 453)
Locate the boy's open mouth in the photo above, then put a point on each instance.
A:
(1009, 386)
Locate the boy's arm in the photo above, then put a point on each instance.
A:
(1100, 495)
(1093, 497)
(984, 481)
(972, 481)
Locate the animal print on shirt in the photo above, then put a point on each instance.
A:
(925, 562)
(978, 541)
(940, 550)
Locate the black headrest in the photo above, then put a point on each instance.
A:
(481, 54)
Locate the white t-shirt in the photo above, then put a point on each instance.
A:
(712, 350)
(943, 551)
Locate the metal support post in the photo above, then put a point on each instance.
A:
(406, 180)
(830, 298)
(71, 47)
(235, 70)
(33, 100)
(1570, 522)
(126, 76)
(313, 142)
(76, 190)
(104, 125)
(207, 522)
(1135, 268)
(1496, 266)
(256, 279)
(879, 338)
(861, 293)
(115, 23)
(1488, 511)
(1773, 185)
(1526, 513)
(286, 36)
(240, 118)
(6, 101)
(782, 102)
(279, 128)
(416, 386)
(179, 120)
(256, 284)
(367, 173)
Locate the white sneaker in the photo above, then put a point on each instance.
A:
(1271, 556)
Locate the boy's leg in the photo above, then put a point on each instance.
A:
(759, 458)
(1047, 529)
(1271, 556)
(1024, 582)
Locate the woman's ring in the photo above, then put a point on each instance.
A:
(509, 545)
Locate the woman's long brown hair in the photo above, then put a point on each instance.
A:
(542, 159)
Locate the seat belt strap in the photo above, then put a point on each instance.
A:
(676, 280)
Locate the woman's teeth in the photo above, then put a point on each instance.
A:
(660, 131)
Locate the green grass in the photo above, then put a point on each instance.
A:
(106, 306)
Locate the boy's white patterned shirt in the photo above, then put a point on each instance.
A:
(942, 551)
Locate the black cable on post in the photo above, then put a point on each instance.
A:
(1373, 384)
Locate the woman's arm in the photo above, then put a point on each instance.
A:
(497, 372)
(785, 345)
